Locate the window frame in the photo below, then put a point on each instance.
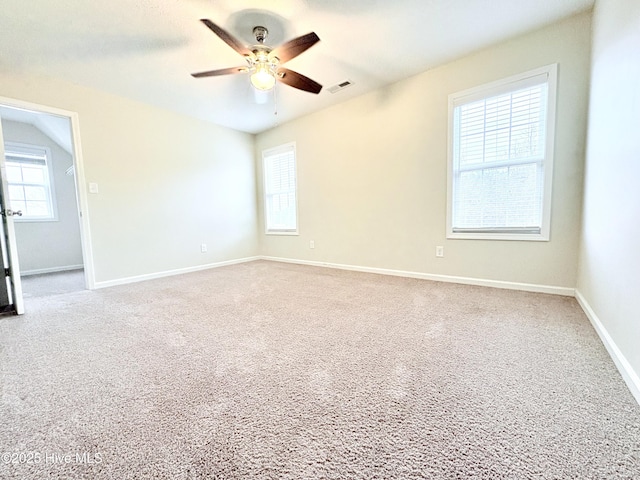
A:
(486, 91)
(25, 148)
(291, 146)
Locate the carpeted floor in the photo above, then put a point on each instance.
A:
(276, 371)
(47, 284)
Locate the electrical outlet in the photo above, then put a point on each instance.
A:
(312, 244)
(439, 251)
(203, 247)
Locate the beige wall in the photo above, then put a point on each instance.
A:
(167, 182)
(372, 171)
(609, 274)
(48, 245)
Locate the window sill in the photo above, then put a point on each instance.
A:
(526, 237)
(34, 220)
(281, 232)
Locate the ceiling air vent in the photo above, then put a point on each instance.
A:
(340, 86)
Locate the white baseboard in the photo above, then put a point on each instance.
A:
(39, 271)
(169, 273)
(527, 287)
(629, 375)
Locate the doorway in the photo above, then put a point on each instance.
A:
(43, 178)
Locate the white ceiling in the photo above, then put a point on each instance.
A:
(146, 49)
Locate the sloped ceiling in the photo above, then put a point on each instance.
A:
(146, 49)
(55, 127)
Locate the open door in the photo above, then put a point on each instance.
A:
(10, 285)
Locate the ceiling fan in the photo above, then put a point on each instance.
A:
(263, 62)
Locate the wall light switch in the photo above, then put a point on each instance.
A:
(93, 187)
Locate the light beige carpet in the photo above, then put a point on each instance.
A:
(47, 284)
(276, 371)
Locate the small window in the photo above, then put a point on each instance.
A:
(280, 198)
(501, 158)
(29, 182)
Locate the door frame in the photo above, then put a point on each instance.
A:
(78, 165)
(10, 260)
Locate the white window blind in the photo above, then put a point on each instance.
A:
(500, 159)
(29, 182)
(280, 189)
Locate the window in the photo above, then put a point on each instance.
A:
(29, 182)
(501, 158)
(280, 197)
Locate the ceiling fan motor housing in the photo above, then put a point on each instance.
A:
(261, 34)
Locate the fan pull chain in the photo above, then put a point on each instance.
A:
(275, 103)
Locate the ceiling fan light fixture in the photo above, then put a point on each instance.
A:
(263, 77)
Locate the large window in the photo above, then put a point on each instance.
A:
(501, 158)
(29, 182)
(280, 199)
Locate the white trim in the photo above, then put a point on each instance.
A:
(39, 271)
(530, 78)
(526, 287)
(630, 377)
(281, 232)
(169, 273)
(549, 158)
(529, 237)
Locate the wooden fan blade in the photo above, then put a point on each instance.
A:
(222, 71)
(295, 47)
(299, 81)
(226, 37)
